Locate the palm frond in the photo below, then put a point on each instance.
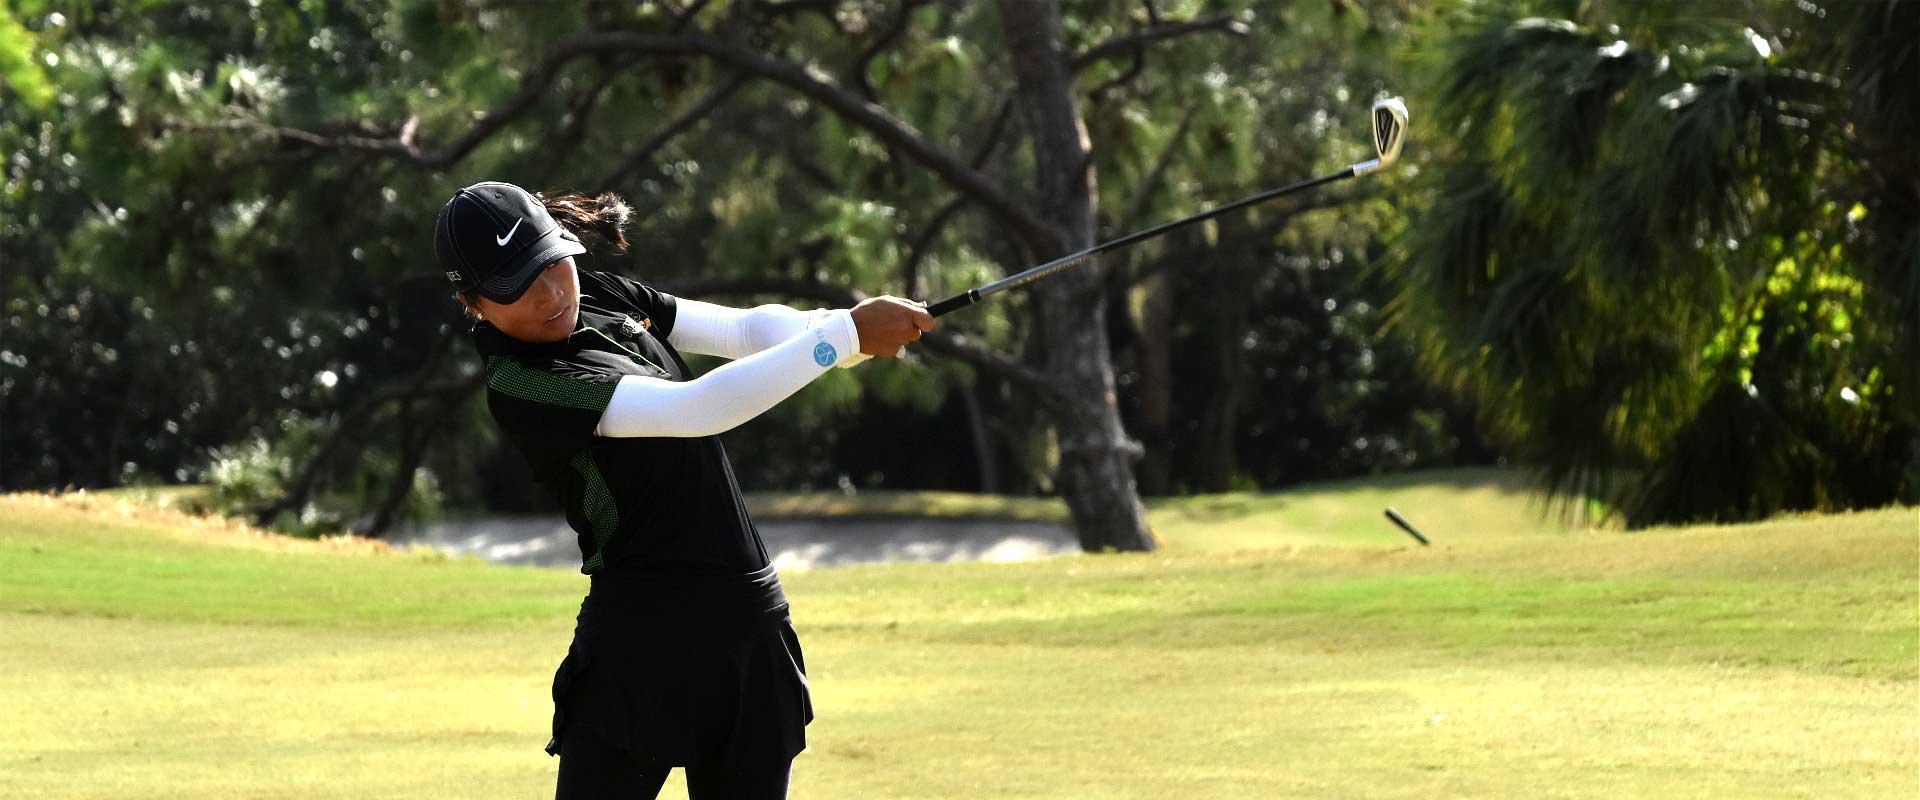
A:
(1601, 267)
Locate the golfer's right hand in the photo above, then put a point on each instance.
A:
(888, 323)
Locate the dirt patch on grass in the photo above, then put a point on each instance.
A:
(88, 508)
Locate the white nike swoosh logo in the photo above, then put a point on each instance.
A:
(502, 240)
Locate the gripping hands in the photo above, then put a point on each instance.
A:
(886, 324)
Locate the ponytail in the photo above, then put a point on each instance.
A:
(604, 216)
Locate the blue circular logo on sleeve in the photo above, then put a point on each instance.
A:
(824, 354)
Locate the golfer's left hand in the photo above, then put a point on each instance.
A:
(888, 323)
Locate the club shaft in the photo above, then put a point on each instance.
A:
(971, 296)
(1407, 526)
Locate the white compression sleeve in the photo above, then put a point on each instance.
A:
(739, 332)
(734, 392)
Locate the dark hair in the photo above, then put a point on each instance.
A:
(602, 216)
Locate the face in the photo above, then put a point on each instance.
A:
(545, 313)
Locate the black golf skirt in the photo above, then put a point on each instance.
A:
(685, 671)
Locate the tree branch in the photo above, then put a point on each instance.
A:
(1144, 192)
(831, 294)
(863, 64)
(994, 131)
(415, 440)
(895, 27)
(532, 88)
(355, 423)
(678, 125)
(685, 17)
(1160, 31)
(780, 8)
(963, 348)
(922, 244)
(564, 142)
(809, 81)
(1139, 65)
(816, 85)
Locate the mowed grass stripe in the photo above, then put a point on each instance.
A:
(313, 712)
(1842, 601)
(143, 658)
(1804, 587)
(64, 560)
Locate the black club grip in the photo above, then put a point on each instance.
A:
(954, 303)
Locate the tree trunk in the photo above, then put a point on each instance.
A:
(415, 440)
(989, 472)
(1227, 292)
(1096, 455)
(1155, 346)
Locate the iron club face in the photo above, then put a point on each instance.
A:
(1389, 131)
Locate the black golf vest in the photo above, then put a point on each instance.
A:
(644, 506)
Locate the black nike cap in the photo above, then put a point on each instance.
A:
(494, 238)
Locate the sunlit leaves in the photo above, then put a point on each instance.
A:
(1638, 265)
(20, 63)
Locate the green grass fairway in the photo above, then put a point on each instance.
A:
(1450, 506)
(1286, 645)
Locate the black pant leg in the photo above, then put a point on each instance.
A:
(590, 770)
(766, 781)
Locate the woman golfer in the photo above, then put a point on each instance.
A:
(683, 654)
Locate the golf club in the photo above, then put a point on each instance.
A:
(1407, 526)
(1389, 129)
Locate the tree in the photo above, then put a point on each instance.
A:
(195, 53)
(227, 205)
(1674, 252)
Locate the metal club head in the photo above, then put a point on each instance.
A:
(1389, 131)
(1389, 128)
